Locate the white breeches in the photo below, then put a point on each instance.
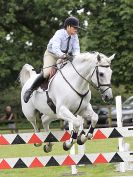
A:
(49, 59)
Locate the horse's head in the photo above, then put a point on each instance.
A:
(101, 76)
(26, 72)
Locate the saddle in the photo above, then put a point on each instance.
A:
(45, 85)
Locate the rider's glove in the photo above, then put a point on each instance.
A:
(67, 57)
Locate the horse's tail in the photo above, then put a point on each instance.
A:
(26, 72)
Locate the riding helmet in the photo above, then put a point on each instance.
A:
(71, 21)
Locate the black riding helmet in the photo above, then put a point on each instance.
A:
(71, 21)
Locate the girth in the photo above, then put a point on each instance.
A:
(50, 103)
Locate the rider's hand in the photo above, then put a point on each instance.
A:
(64, 56)
(52, 72)
(67, 57)
(59, 61)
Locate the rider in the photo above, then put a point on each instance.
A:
(64, 42)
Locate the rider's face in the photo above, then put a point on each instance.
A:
(72, 30)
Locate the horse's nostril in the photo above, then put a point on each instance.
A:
(106, 97)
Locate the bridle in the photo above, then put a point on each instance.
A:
(98, 86)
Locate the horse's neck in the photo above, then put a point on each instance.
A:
(85, 68)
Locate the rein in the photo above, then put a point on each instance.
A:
(91, 83)
(81, 95)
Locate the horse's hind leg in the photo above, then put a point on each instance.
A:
(46, 122)
(31, 116)
(34, 124)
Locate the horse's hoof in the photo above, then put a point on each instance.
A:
(65, 147)
(37, 144)
(81, 139)
(79, 142)
(47, 148)
(89, 136)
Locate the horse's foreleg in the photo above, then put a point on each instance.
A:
(66, 115)
(94, 120)
(91, 115)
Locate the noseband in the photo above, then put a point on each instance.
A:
(98, 81)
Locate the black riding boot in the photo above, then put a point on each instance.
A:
(38, 81)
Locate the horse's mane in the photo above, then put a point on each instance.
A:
(92, 56)
(85, 55)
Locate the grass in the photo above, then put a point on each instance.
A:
(99, 170)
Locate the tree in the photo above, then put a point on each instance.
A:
(110, 31)
(25, 28)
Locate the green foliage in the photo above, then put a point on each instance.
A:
(11, 96)
(110, 31)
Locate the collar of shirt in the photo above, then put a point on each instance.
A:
(66, 34)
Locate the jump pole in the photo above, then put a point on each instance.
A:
(72, 152)
(81, 148)
(120, 124)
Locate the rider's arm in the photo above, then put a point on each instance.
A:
(55, 44)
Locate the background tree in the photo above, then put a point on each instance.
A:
(110, 30)
(26, 27)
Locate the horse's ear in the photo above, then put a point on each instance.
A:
(112, 57)
(98, 58)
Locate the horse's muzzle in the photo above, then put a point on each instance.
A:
(107, 99)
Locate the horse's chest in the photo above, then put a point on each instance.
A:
(77, 104)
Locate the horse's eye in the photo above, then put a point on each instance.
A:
(101, 74)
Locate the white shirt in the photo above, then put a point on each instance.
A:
(58, 43)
